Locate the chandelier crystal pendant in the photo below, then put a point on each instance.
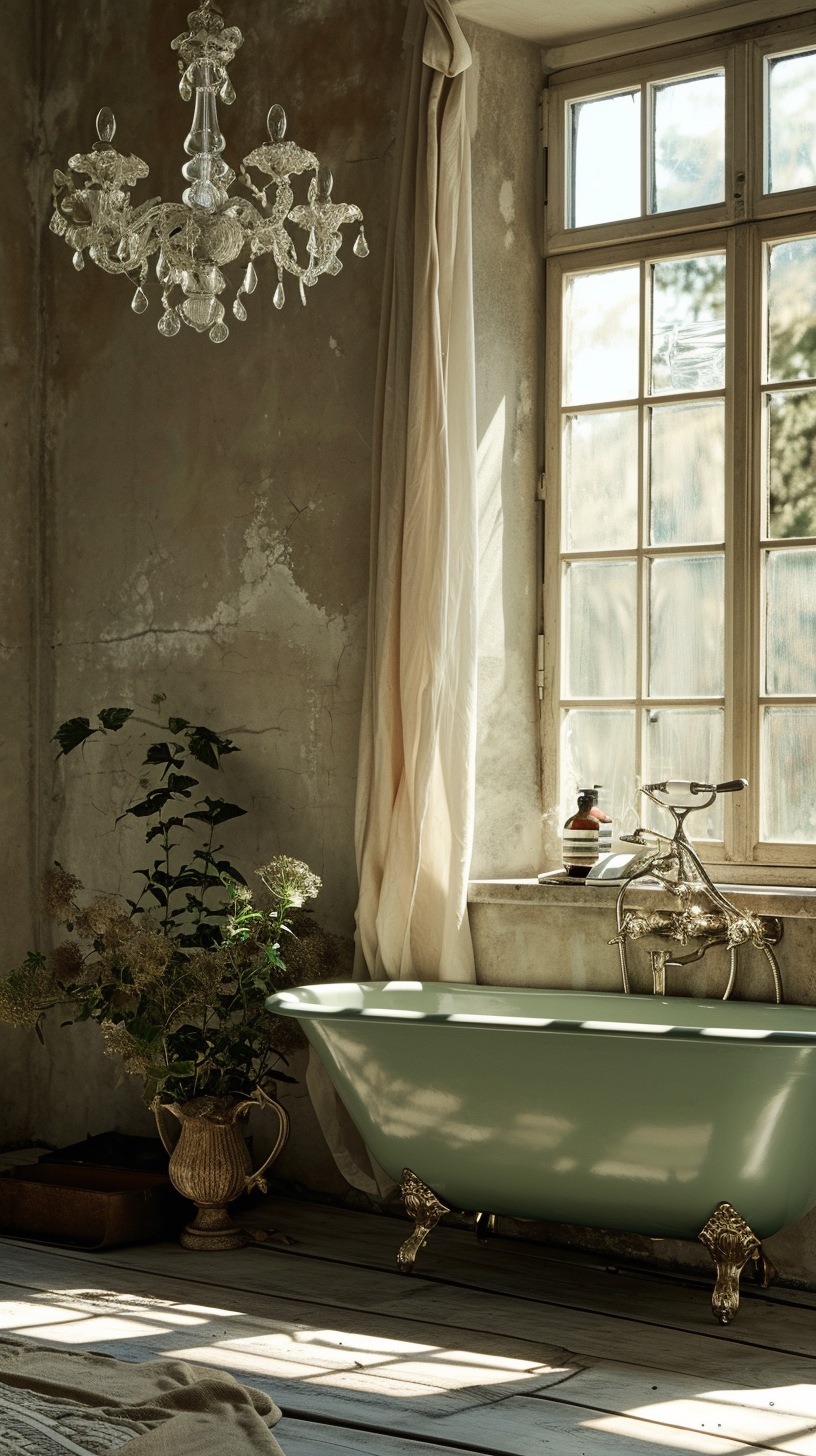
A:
(196, 238)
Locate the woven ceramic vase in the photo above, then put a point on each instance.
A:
(210, 1163)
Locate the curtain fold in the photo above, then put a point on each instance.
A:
(414, 817)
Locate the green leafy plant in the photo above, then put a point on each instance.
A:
(178, 977)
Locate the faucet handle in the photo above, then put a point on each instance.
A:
(732, 787)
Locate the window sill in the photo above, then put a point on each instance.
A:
(786, 901)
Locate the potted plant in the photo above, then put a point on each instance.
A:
(178, 976)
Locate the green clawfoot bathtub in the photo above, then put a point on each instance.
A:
(670, 1117)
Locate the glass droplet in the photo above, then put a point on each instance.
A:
(123, 250)
(227, 92)
(239, 310)
(325, 182)
(280, 297)
(78, 260)
(106, 125)
(185, 89)
(169, 324)
(218, 333)
(302, 292)
(250, 282)
(361, 246)
(139, 301)
(334, 267)
(162, 267)
(276, 123)
(57, 224)
(311, 246)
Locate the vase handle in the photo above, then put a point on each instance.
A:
(260, 1098)
(160, 1110)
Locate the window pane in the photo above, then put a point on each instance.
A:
(791, 122)
(601, 334)
(601, 480)
(685, 743)
(790, 641)
(598, 747)
(788, 771)
(601, 634)
(790, 467)
(688, 324)
(791, 310)
(687, 460)
(686, 627)
(689, 143)
(605, 162)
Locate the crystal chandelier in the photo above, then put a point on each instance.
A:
(197, 237)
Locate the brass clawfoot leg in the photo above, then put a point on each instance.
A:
(731, 1243)
(426, 1211)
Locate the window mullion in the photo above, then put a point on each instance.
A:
(741, 566)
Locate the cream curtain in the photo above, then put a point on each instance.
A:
(415, 788)
(414, 817)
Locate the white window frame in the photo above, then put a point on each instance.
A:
(743, 223)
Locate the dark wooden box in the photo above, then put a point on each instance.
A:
(89, 1208)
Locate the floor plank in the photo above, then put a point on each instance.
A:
(728, 1354)
(603, 1404)
(307, 1438)
(511, 1350)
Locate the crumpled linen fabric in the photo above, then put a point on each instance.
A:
(58, 1401)
(415, 794)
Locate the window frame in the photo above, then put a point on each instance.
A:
(744, 224)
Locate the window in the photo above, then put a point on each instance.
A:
(680, 480)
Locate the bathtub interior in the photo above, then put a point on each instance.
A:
(601, 1011)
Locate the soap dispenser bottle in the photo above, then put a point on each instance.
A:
(587, 834)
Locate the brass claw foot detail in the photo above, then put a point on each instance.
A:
(426, 1211)
(731, 1243)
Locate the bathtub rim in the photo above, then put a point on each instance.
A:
(610, 1013)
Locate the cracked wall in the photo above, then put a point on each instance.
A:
(205, 516)
(208, 506)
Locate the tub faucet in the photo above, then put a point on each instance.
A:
(704, 914)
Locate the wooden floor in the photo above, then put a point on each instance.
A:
(512, 1349)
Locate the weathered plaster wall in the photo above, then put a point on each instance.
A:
(208, 506)
(20, 238)
(509, 307)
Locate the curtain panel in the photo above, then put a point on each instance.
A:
(415, 795)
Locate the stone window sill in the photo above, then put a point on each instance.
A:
(791, 901)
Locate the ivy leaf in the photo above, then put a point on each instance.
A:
(114, 718)
(176, 1069)
(216, 812)
(164, 753)
(181, 784)
(155, 801)
(209, 747)
(176, 724)
(225, 868)
(69, 735)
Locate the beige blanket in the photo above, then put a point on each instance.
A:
(54, 1402)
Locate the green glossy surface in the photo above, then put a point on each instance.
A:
(625, 1112)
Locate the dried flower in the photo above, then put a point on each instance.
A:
(289, 881)
(97, 919)
(147, 954)
(58, 893)
(27, 991)
(120, 1043)
(66, 963)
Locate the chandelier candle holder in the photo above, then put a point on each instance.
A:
(195, 239)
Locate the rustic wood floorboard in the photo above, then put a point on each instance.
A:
(509, 1350)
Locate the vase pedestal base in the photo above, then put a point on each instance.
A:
(213, 1231)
